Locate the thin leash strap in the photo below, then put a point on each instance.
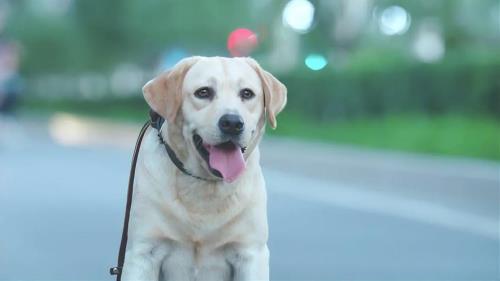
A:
(117, 270)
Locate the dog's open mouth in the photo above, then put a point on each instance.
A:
(225, 160)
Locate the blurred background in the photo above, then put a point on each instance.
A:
(384, 165)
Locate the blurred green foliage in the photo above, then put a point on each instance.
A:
(96, 35)
(469, 84)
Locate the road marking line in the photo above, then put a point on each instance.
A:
(377, 202)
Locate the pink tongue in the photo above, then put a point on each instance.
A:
(229, 162)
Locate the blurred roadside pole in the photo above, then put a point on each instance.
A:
(10, 84)
(10, 79)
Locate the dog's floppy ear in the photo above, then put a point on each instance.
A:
(164, 93)
(274, 92)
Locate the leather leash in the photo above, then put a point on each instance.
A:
(117, 270)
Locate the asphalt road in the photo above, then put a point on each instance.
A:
(335, 213)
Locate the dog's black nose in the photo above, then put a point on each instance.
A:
(231, 124)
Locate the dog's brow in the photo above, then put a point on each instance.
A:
(224, 67)
(210, 81)
(243, 83)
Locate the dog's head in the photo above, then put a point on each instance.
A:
(222, 104)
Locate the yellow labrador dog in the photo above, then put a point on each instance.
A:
(208, 222)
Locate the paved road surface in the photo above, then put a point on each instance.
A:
(335, 213)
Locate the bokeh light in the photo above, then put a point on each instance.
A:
(299, 15)
(315, 62)
(429, 45)
(394, 20)
(241, 42)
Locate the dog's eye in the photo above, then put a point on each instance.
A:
(246, 94)
(204, 93)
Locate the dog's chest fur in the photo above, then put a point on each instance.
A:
(197, 262)
(201, 230)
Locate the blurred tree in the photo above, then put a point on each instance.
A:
(96, 35)
(101, 23)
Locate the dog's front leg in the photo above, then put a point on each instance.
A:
(143, 261)
(250, 263)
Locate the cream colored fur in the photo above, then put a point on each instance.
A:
(182, 228)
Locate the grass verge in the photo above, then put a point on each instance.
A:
(470, 136)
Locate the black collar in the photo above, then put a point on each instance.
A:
(156, 122)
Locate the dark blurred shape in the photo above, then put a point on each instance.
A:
(10, 84)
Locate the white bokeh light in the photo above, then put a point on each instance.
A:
(298, 15)
(394, 20)
(429, 45)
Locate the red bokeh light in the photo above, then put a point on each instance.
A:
(241, 42)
